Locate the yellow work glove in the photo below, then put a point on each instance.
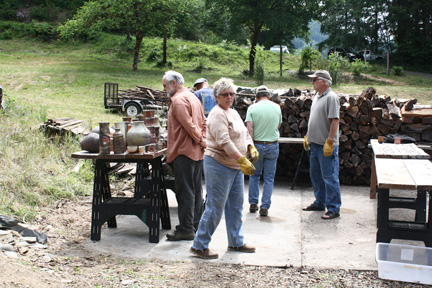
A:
(328, 148)
(252, 154)
(306, 144)
(246, 166)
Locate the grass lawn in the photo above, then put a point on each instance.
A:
(53, 80)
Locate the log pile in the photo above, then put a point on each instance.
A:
(362, 117)
(62, 126)
(156, 96)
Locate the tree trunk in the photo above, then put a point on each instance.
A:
(252, 53)
(139, 38)
(164, 57)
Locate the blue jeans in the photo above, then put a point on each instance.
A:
(225, 192)
(324, 174)
(268, 155)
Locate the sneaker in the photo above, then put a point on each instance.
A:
(263, 212)
(253, 208)
(204, 254)
(177, 236)
(244, 248)
(312, 207)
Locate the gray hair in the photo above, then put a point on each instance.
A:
(223, 84)
(173, 75)
(328, 82)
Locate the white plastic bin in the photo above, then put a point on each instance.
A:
(404, 263)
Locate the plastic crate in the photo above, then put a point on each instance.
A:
(404, 263)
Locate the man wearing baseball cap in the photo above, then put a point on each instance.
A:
(205, 95)
(322, 140)
(263, 120)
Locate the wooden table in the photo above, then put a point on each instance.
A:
(392, 151)
(304, 156)
(414, 174)
(149, 202)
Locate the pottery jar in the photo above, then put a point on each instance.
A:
(104, 138)
(123, 129)
(118, 145)
(139, 135)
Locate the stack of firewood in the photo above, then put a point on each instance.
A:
(362, 117)
(61, 126)
(156, 96)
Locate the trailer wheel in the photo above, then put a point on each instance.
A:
(132, 109)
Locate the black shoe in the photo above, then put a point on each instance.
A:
(263, 212)
(253, 208)
(330, 215)
(178, 236)
(312, 207)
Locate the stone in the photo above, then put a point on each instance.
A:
(6, 247)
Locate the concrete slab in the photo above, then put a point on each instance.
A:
(288, 236)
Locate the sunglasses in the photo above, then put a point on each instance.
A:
(227, 94)
(315, 79)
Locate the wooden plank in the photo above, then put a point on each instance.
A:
(397, 151)
(393, 174)
(421, 172)
(426, 112)
(386, 150)
(412, 151)
(288, 140)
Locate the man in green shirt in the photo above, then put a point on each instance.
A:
(263, 120)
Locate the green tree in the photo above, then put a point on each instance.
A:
(411, 24)
(284, 19)
(142, 17)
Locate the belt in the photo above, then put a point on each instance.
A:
(266, 142)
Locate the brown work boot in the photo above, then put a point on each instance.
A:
(245, 248)
(253, 208)
(204, 254)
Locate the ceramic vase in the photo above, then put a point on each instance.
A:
(138, 135)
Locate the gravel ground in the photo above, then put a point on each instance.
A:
(64, 263)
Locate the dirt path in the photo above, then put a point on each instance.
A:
(64, 263)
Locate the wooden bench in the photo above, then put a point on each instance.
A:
(411, 174)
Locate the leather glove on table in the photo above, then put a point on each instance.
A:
(306, 144)
(252, 154)
(328, 148)
(246, 166)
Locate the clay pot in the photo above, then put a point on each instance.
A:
(90, 143)
(139, 135)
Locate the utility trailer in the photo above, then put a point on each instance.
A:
(131, 106)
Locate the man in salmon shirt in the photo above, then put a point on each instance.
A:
(185, 150)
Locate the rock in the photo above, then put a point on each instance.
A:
(29, 239)
(7, 247)
(22, 244)
(7, 221)
(11, 254)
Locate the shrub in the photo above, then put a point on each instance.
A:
(397, 70)
(358, 67)
(336, 65)
(307, 56)
(43, 30)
